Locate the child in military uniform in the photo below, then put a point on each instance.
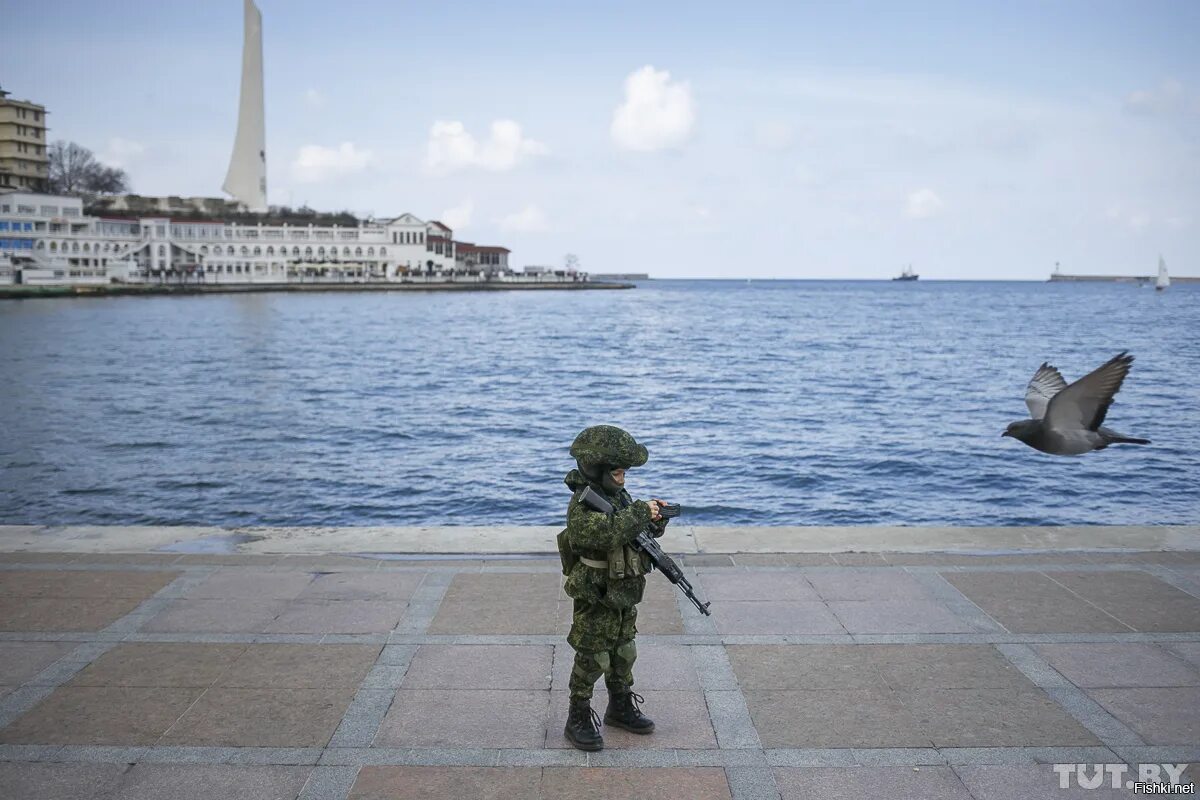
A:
(605, 578)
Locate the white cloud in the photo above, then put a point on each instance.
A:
(923, 203)
(315, 163)
(120, 152)
(657, 113)
(1170, 98)
(459, 216)
(451, 147)
(528, 220)
(315, 98)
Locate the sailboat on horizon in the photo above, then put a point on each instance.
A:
(1163, 280)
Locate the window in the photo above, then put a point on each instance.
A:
(245, 250)
(258, 251)
(370, 252)
(271, 251)
(383, 251)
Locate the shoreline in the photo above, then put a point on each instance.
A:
(524, 540)
(20, 292)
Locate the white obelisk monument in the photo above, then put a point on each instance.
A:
(247, 176)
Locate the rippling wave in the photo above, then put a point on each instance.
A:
(772, 403)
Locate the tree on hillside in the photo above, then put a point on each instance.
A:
(75, 170)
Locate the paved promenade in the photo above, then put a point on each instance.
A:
(271, 676)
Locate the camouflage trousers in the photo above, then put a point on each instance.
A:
(603, 639)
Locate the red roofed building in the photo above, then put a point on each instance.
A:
(473, 259)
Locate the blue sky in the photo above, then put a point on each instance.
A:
(974, 140)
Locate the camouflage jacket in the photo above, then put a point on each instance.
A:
(607, 537)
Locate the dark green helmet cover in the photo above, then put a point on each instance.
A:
(609, 446)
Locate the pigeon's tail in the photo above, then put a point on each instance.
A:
(1112, 437)
(1128, 440)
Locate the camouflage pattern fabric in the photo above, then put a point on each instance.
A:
(600, 625)
(610, 446)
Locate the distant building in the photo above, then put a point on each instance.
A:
(24, 163)
(48, 232)
(472, 259)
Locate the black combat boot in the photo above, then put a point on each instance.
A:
(583, 726)
(623, 712)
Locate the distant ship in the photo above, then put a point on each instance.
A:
(906, 274)
(1164, 280)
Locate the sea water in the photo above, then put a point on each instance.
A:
(764, 403)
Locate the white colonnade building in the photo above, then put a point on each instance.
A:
(55, 242)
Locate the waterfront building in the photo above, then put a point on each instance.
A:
(50, 239)
(473, 259)
(24, 162)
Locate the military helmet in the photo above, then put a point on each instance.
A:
(608, 445)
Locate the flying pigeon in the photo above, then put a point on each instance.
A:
(1066, 419)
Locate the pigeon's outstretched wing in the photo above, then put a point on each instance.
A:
(1046, 383)
(1084, 403)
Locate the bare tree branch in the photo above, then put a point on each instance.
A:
(75, 170)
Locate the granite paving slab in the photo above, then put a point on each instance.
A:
(20, 661)
(1160, 716)
(1190, 651)
(897, 616)
(48, 781)
(1028, 782)
(62, 614)
(447, 783)
(300, 666)
(855, 783)
(338, 616)
(211, 782)
(1138, 599)
(1031, 602)
(224, 717)
(775, 667)
(359, 586)
(993, 718)
(1120, 664)
(836, 718)
(945, 666)
(251, 584)
(101, 715)
(734, 586)
(878, 586)
(606, 783)
(438, 666)
(775, 617)
(215, 616)
(465, 718)
(77, 584)
(159, 664)
(500, 604)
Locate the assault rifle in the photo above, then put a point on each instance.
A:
(647, 544)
